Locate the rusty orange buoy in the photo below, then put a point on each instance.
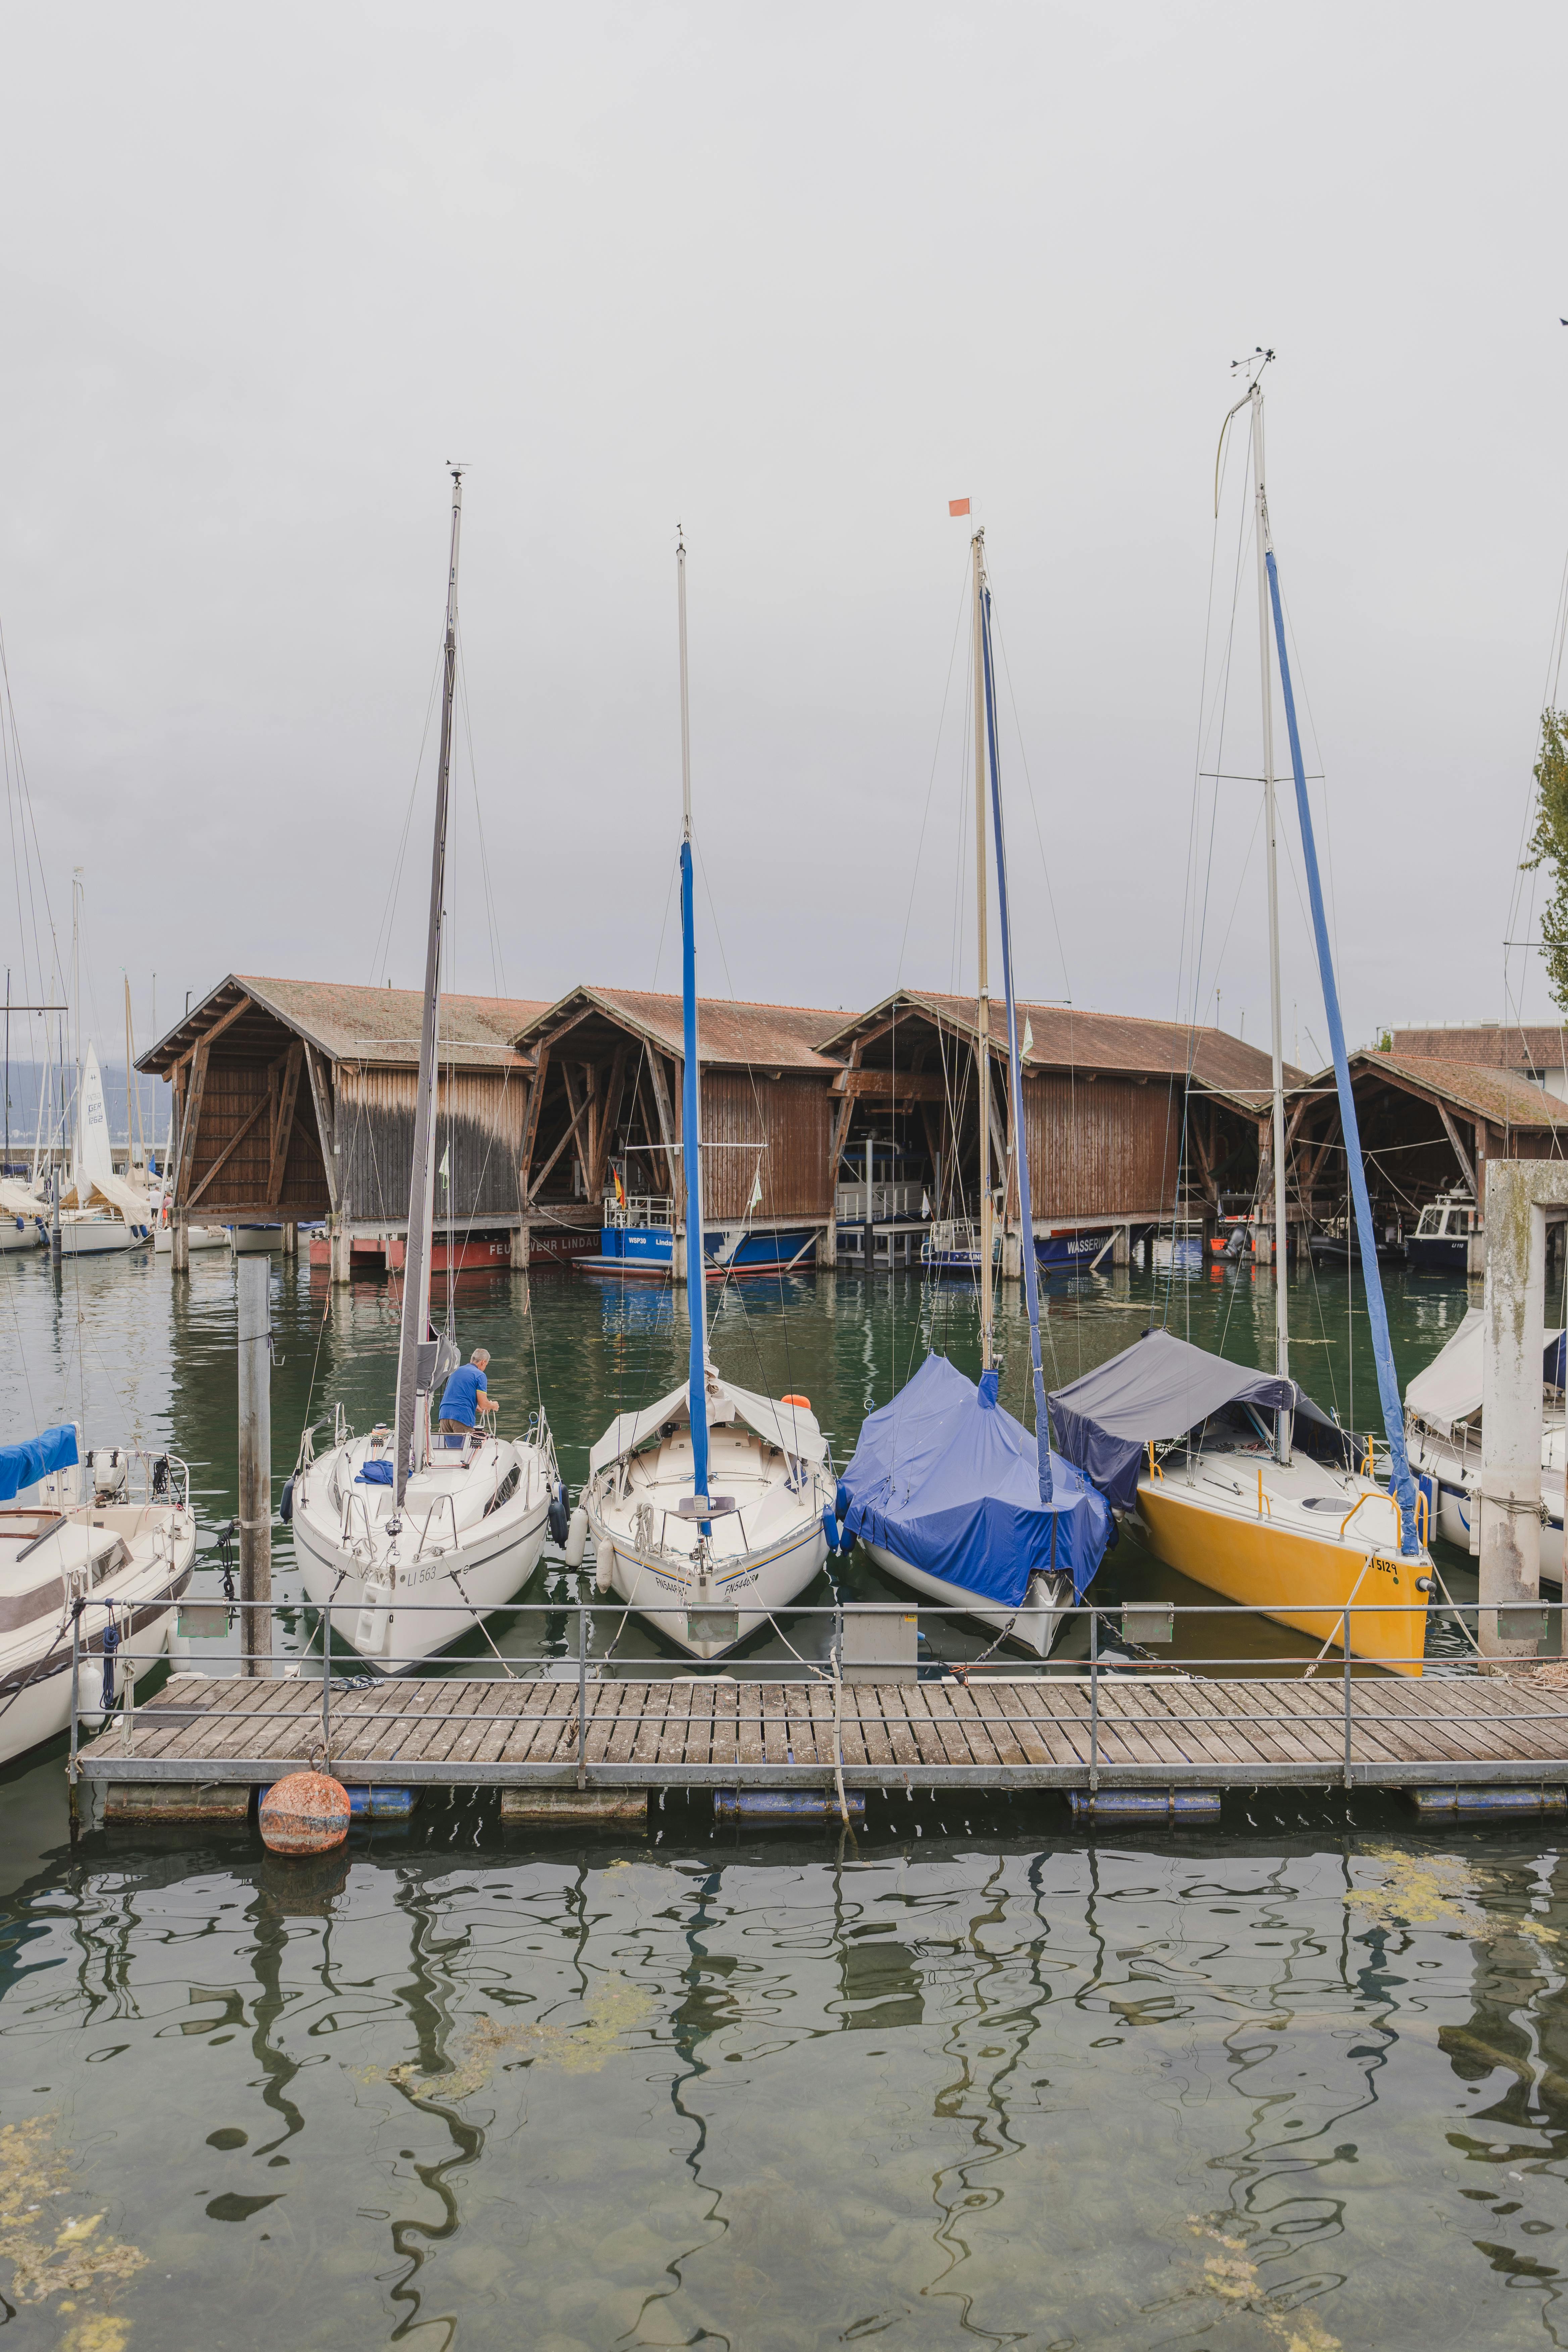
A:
(803, 1402)
(305, 1812)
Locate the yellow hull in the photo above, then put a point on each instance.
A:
(1301, 1580)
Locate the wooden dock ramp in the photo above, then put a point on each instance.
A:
(1028, 1731)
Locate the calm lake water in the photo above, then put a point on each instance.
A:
(967, 2075)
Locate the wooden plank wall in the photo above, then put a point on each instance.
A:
(480, 1131)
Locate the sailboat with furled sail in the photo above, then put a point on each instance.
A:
(706, 1568)
(1238, 1479)
(951, 1495)
(405, 1537)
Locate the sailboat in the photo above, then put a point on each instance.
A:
(99, 1212)
(405, 1537)
(705, 1567)
(1237, 1478)
(951, 1495)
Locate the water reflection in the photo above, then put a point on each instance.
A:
(1275, 2087)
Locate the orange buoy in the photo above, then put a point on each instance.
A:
(803, 1402)
(305, 1812)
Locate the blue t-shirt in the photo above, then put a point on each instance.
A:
(458, 1397)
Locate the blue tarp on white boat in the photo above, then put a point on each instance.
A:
(949, 1482)
(37, 1457)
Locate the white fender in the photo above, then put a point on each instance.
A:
(577, 1538)
(603, 1574)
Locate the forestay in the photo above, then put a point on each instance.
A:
(947, 1480)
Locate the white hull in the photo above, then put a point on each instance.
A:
(754, 1591)
(197, 1237)
(98, 1236)
(1035, 1623)
(446, 1559)
(255, 1241)
(1458, 1485)
(19, 1236)
(160, 1541)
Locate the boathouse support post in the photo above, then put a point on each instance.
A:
(340, 1246)
(520, 1247)
(254, 1288)
(1520, 1195)
(180, 1246)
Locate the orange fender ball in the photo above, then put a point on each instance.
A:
(306, 1812)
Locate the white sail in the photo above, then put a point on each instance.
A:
(91, 1158)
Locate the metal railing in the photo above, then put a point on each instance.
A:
(1185, 1710)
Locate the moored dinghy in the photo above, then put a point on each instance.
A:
(727, 1519)
(447, 1527)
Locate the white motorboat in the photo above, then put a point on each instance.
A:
(707, 1582)
(1443, 1432)
(115, 1535)
(706, 1567)
(407, 1538)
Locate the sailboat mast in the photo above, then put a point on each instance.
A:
(422, 1180)
(691, 1094)
(983, 1008)
(1271, 812)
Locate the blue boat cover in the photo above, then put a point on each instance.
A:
(1159, 1389)
(949, 1481)
(24, 1466)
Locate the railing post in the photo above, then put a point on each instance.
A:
(1093, 1698)
(327, 1688)
(582, 1693)
(71, 1774)
(1347, 1635)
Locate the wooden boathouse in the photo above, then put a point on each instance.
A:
(1110, 1152)
(601, 1137)
(294, 1104)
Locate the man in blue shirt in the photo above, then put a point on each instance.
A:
(466, 1397)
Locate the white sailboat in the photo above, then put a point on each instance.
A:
(101, 1212)
(405, 1536)
(706, 1568)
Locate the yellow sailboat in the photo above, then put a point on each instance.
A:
(1275, 1513)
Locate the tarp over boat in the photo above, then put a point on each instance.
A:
(1449, 1390)
(23, 1465)
(946, 1479)
(793, 1428)
(20, 1200)
(1158, 1389)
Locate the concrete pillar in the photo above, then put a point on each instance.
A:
(1121, 1246)
(827, 1243)
(1012, 1254)
(180, 1246)
(1518, 1195)
(290, 1241)
(520, 1241)
(678, 1252)
(341, 1245)
(254, 1287)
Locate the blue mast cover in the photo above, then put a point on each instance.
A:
(946, 1479)
(1021, 1147)
(1376, 1312)
(23, 1465)
(696, 1298)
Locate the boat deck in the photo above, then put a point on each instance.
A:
(1000, 1732)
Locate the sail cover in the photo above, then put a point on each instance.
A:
(791, 1427)
(947, 1480)
(23, 1465)
(1155, 1391)
(1449, 1390)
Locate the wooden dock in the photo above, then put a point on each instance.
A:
(1039, 1731)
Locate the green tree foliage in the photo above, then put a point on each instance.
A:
(1549, 846)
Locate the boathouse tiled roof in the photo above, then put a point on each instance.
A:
(348, 1022)
(1066, 1037)
(730, 1034)
(1499, 1097)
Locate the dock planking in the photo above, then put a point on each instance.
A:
(1027, 1731)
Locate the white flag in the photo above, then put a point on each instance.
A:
(1028, 1045)
(925, 1204)
(756, 1200)
(442, 1170)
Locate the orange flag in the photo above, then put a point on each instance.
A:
(958, 506)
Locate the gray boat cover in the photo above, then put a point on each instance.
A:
(1155, 1391)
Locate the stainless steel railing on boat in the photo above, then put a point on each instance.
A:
(1099, 1670)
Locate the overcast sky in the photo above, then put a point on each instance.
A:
(795, 277)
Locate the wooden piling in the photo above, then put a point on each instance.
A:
(254, 1286)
